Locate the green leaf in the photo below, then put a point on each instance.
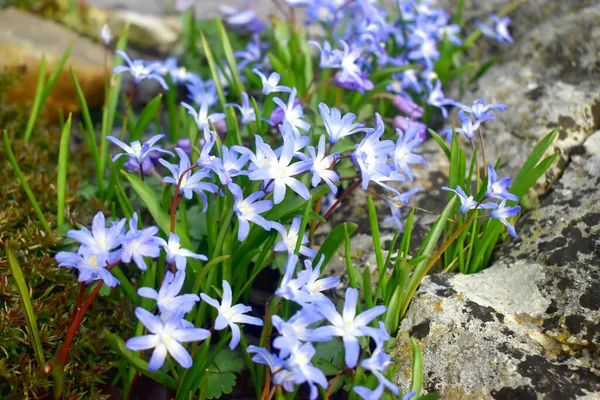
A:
(520, 189)
(36, 100)
(227, 360)
(30, 319)
(213, 70)
(440, 142)
(118, 345)
(146, 117)
(376, 241)
(13, 162)
(90, 137)
(61, 184)
(239, 86)
(417, 367)
(333, 241)
(220, 384)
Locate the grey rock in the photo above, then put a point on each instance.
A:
(548, 79)
(529, 326)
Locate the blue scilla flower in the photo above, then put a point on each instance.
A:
(202, 118)
(100, 239)
(91, 267)
(176, 254)
(437, 98)
(503, 212)
(468, 126)
(498, 188)
(293, 113)
(139, 70)
(480, 111)
(296, 331)
(271, 84)
(393, 176)
(348, 325)
(249, 209)
(244, 19)
(179, 74)
(165, 337)
(231, 315)
(137, 151)
(407, 142)
(300, 366)
(371, 153)
(202, 92)
(168, 299)
(497, 30)
(329, 58)
(312, 283)
(246, 110)
(339, 126)
(350, 71)
(230, 165)
(252, 53)
(290, 239)
(321, 165)
(468, 202)
(281, 172)
(396, 211)
(290, 287)
(138, 244)
(190, 183)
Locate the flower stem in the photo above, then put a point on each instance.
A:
(338, 201)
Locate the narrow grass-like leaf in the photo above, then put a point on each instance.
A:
(348, 256)
(37, 99)
(61, 184)
(333, 241)
(90, 136)
(118, 345)
(376, 241)
(213, 70)
(417, 368)
(238, 85)
(146, 117)
(25, 300)
(536, 154)
(13, 162)
(440, 142)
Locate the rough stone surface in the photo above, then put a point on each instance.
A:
(25, 38)
(529, 326)
(548, 79)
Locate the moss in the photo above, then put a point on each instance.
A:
(53, 291)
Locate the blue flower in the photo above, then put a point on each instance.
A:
(176, 254)
(498, 31)
(281, 172)
(271, 84)
(329, 58)
(293, 113)
(503, 212)
(190, 183)
(137, 151)
(299, 364)
(337, 126)
(371, 153)
(281, 377)
(396, 212)
(349, 325)
(249, 209)
(202, 92)
(99, 240)
(230, 316)
(203, 120)
(91, 267)
(165, 337)
(230, 166)
(290, 239)
(296, 330)
(436, 97)
(178, 74)
(498, 188)
(403, 152)
(253, 52)
(468, 202)
(243, 19)
(313, 284)
(321, 167)
(139, 71)
(468, 128)
(290, 288)
(349, 69)
(480, 111)
(138, 244)
(379, 361)
(167, 298)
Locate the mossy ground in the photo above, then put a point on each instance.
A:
(53, 290)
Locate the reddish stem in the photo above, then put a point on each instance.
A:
(176, 196)
(338, 201)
